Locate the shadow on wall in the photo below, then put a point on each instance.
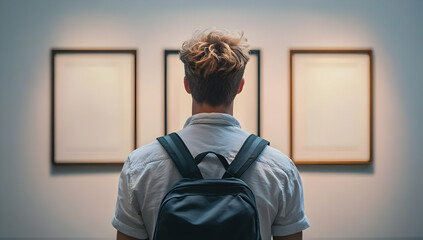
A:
(76, 169)
(338, 168)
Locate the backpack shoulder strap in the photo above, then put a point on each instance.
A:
(248, 153)
(180, 155)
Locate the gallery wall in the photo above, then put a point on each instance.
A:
(381, 200)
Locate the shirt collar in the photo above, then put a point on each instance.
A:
(212, 118)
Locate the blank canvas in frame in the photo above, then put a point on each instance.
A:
(178, 101)
(93, 105)
(331, 105)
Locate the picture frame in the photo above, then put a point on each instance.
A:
(93, 111)
(331, 105)
(177, 102)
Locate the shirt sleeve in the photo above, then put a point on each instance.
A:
(128, 219)
(291, 216)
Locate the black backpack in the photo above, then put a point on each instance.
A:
(209, 209)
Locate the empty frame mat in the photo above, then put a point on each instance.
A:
(178, 103)
(93, 105)
(331, 105)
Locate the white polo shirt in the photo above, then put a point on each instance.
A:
(149, 173)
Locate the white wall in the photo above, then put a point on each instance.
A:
(342, 202)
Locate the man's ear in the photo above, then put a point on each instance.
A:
(186, 85)
(241, 85)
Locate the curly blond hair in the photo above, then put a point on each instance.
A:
(214, 62)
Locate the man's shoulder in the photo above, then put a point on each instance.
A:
(147, 154)
(275, 160)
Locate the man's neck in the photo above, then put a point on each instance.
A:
(205, 108)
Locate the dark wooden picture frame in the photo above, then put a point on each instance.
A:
(314, 73)
(108, 74)
(174, 53)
